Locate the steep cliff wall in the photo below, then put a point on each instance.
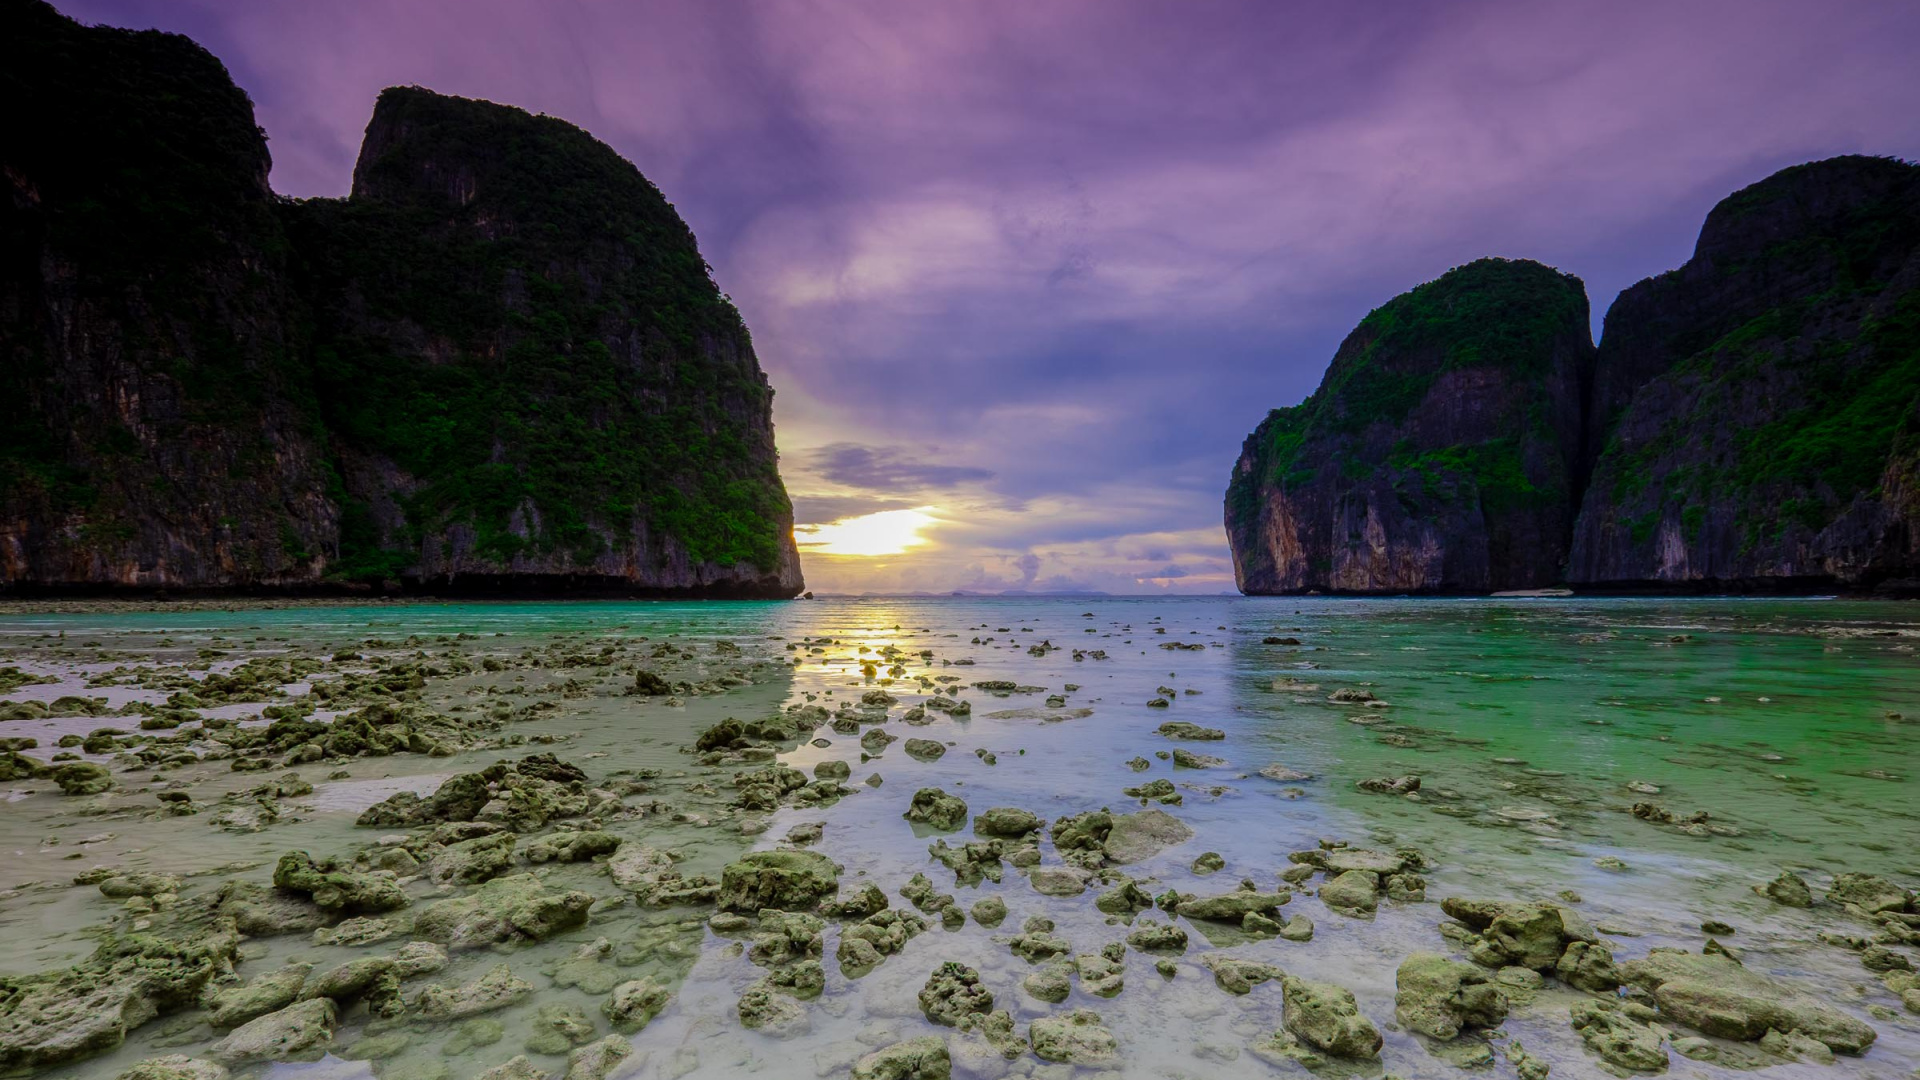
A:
(1440, 453)
(1758, 417)
(526, 368)
(500, 365)
(1749, 421)
(158, 431)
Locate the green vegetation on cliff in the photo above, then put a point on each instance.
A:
(501, 357)
(528, 425)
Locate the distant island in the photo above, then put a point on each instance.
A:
(499, 366)
(1748, 422)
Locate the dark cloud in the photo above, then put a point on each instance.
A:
(1082, 247)
(883, 468)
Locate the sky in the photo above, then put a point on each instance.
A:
(1025, 274)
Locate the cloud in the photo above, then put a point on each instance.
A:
(885, 469)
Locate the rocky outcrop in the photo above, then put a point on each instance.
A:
(499, 366)
(1756, 413)
(1749, 421)
(1440, 452)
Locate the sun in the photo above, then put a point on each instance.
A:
(889, 532)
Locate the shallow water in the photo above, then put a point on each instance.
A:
(1794, 724)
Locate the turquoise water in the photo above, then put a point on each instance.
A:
(1791, 723)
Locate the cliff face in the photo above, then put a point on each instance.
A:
(1440, 453)
(1771, 435)
(155, 432)
(1749, 421)
(500, 365)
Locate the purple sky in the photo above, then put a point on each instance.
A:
(1042, 265)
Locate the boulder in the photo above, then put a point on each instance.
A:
(1718, 996)
(954, 993)
(1789, 889)
(1326, 1018)
(498, 988)
(267, 993)
(337, 890)
(1139, 836)
(633, 1005)
(936, 809)
(1075, 1038)
(1009, 822)
(301, 1031)
(924, 1058)
(1231, 907)
(788, 880)
(518, 907)
(1617, 1038)
(1438, 997)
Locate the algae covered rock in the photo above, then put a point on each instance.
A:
(518, 907)
(924, 1058)
(301, 1031)
(598, 1060)
(937, 809)
(1438, 997)
(81, 778)
(788, 880)
(497, 988)
(267, 993)
(633, 1005)
(1521, 934)
(338, 890)
(1135, 837)
(952, 993)
(1869, 892)
(1008, 822)
(1355, 893)
(78, 1012)
(175, 1067)
(1718, 996)
(1075, 1038)
(1789, 889)
(1231, 907)
(1325, 1017)
(1617, 1038)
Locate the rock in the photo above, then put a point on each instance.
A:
(1052, 983)
(863, 901)
(1187, 759)
(953, 993)
(596, 1061)
(925, 749)
(299, 1032)
(1009, 822)
(572, 846)
(517, 907)
(937, 809)
(1236, 975)
(1438, 997)
(1059, 880)
(763, 1008)
(1789, 889)
(519, 1068)
(267, 993)
(1100, 974)
(1180, 729)
(371, 978)
(496, 989)
(81, 778)
(1139, 836)
(924, 1058)
(1297, 928)
(1208, 862)
(1231, 907)
(1390, 785)
(470, 862)
(989, 911)
(1527, 935)
(633, 1005)
(417, 958)
(1284, 774)
(1152, 936)
(1588, 966)
(337, 890)
(1617, 1039)
(1326, 1018)
(558, 1027)
(788, 880)
(1075, 1038)
(129, 884)
(1354, 893)
(1718, 996)
(1869, 893)
(175, 1067)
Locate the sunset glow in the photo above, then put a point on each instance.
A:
(889, 532)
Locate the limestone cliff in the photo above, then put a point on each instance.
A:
(1758, 422)
(1750, 421)
(1440, 452)
(499, 365)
